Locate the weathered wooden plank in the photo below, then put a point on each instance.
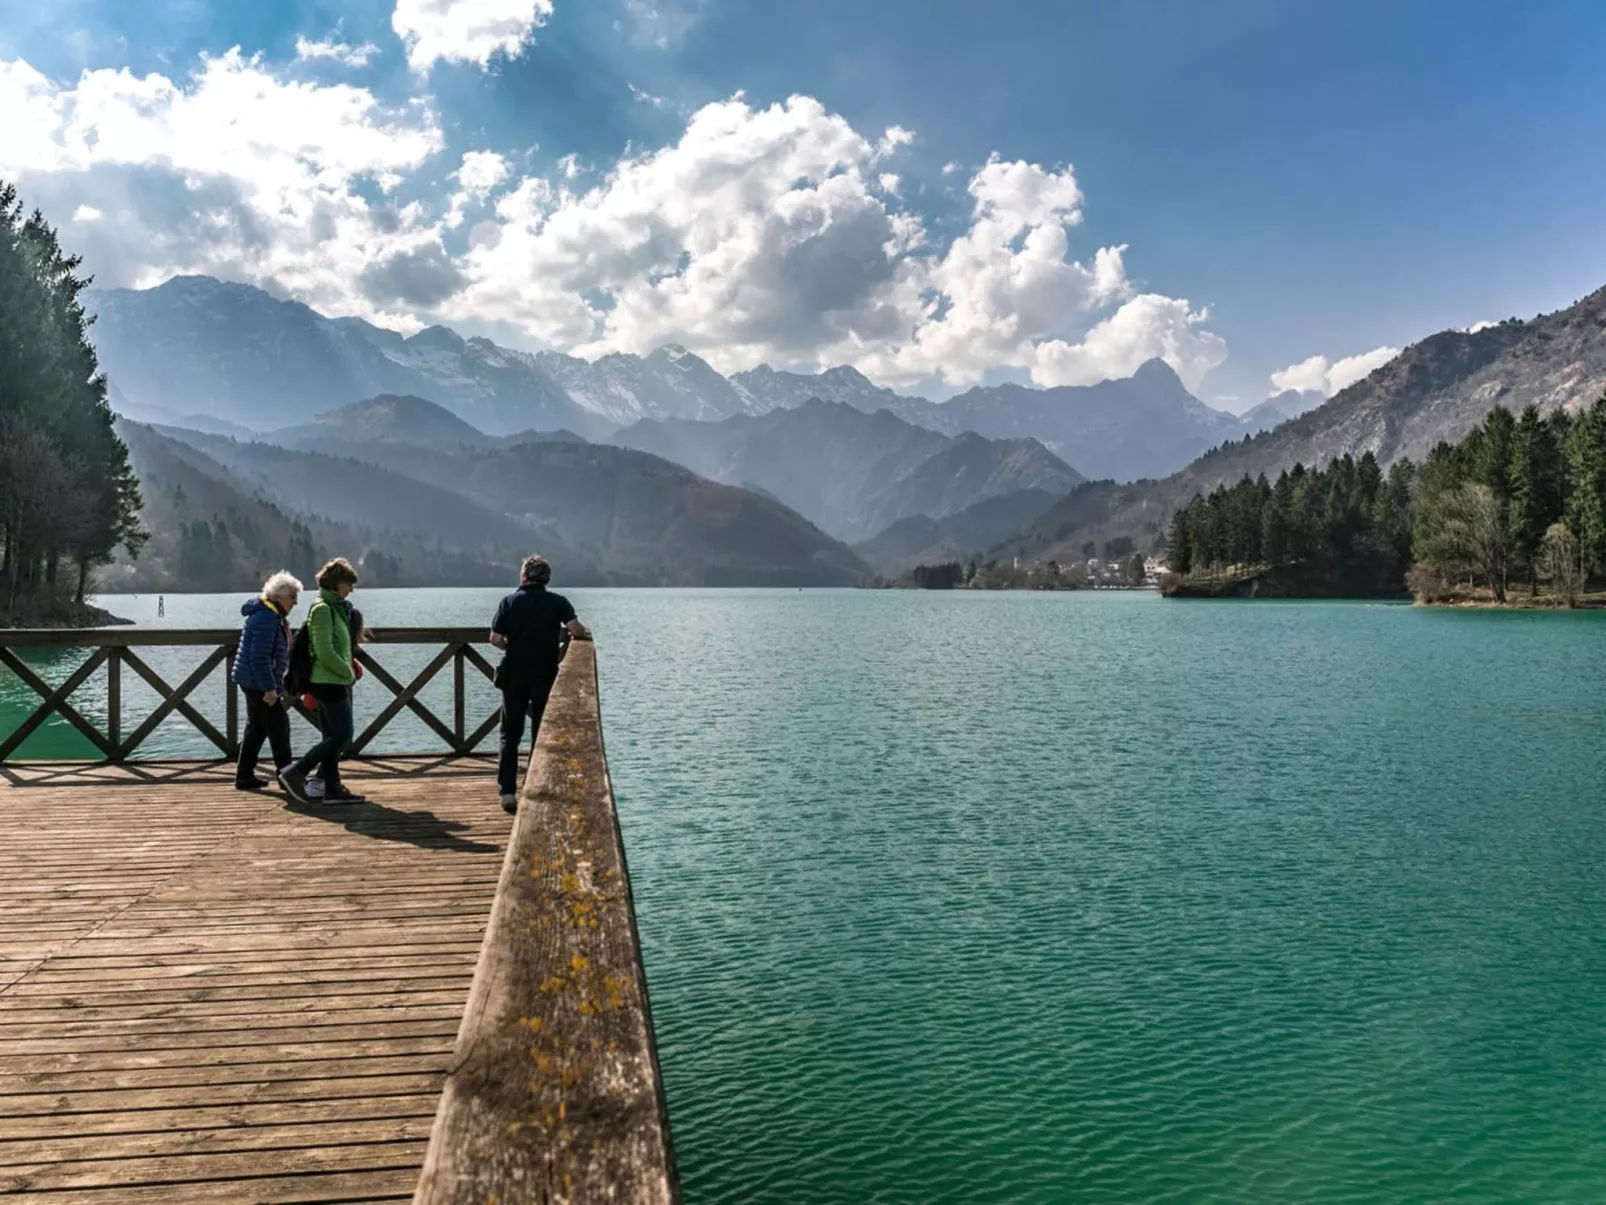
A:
(555, 1092)
(135, 969)
(222, 1010)
(164, 1037)
(328, 1188)
(348, 1064)
(64, 1105)
(412, 1125)
(180, 1171)
(191, 1122)
(225, 1057)
(356, 985)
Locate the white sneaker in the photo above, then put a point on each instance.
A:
(510, 804)
(314, 788)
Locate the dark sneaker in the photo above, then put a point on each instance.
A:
(510, 803)
(294, 783)
(255, 783)
(341, 795)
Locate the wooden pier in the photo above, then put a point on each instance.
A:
(215, 995)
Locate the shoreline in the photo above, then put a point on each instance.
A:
(67, 615)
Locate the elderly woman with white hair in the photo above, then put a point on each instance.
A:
(260, 665)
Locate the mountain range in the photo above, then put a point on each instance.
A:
(209, 355)
(851, 472)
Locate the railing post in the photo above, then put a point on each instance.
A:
(114, 705)
(458, 701)
(231, 695)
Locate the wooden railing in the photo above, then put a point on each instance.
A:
(114, 648)
(554, 1093)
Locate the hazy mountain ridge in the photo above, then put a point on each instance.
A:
(611, 514)
(922, 540)
(212, 529)
(202, 353)
(1279, 408)
(400, 417)
(850, 472)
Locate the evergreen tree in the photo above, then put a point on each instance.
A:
(67, 490)
(1537, 484)
(1586, 466)
(1179, 544)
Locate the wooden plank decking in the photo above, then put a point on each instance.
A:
(208, 995)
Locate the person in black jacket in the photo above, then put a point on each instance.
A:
(260, 664)
(529, 625)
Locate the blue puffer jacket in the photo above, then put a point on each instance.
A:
(263, 658)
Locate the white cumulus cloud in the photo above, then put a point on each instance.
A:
(481, 172)
(466, 31)
(86, 213)
(479, 175)
(340, 52)
(1148, 327)
(1320, 375)
(769, 234)
(234, 171)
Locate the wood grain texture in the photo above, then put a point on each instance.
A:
(213, 995)
(555, 1094)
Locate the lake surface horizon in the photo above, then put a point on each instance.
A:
(1034, 897)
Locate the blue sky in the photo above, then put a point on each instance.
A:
(1287, 180)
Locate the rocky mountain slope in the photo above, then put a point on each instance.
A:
(1434, 390)
(853, 473)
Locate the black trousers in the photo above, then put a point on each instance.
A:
(520, 699)
(262, 722)
(335, 722)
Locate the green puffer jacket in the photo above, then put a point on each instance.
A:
(329, 630)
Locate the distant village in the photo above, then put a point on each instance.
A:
(1133, 571)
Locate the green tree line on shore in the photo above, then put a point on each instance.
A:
(1520, 500)
(68, 496)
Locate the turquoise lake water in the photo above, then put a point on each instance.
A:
(1101, 898)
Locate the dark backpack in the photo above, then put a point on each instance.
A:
(298, 678)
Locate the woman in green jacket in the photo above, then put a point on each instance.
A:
(333, 673)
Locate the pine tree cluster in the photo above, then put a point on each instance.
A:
(1521, 498)
(68, 496)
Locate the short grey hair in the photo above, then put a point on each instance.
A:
(280, 584)
(535, 569)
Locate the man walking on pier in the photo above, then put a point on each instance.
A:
(529, 626)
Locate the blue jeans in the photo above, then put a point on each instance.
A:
(336, 723)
